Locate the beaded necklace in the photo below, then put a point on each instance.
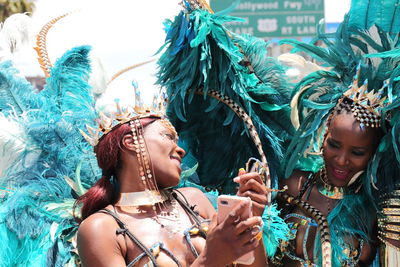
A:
(328, 190)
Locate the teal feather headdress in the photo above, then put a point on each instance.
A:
(202, 55)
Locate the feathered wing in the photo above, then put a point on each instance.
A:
(13, 143)
(16, 94)
(36, 217)
(201, 54)
(384, 170)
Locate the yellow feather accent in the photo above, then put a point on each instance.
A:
(294, 114)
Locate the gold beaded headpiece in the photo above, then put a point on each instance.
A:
(365, 106)
(127, 113)
(132, 115)
(122, 115)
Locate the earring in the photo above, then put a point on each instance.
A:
(355, 177)
(145, 172)
(320, 153)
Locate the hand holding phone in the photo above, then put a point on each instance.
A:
(251, 185)
(226, 204)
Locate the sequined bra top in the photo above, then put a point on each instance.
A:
(305, 251)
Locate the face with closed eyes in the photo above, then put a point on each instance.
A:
(347, 148)
(165, 154)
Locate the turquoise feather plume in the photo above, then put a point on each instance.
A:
(385, 14)
(15, 91)
(386, 164)
(275, 230)
(210, 132)
(206, 55)
(38, 233)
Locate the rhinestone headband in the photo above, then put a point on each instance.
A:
(365, 106)
(108, 122)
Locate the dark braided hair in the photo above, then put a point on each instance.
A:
(345, 106)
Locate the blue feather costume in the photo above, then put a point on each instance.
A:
(202, 55)
(36, 218)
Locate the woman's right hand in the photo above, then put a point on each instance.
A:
(231, 238)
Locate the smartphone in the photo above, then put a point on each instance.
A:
(226, 204)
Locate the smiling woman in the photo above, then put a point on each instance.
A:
(344, 148)
(347, 147)
(349, 143)
(142, 221)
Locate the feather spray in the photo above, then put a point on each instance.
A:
(36, 218)
(201, 53)
(15, 33)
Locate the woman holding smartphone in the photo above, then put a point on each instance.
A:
(132, 217)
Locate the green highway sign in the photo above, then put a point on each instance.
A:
(274, 18)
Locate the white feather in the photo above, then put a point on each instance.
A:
(15, 33)
(13, 142)
(298, 66)
(98, 77)
(294, 113)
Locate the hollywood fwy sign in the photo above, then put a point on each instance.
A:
(274, 18)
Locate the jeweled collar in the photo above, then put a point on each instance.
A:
(328, 190)
(142, 198)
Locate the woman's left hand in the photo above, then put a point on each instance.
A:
(251, 185)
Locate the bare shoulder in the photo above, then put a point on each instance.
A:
(97, 241)
(91, 226)
(194, 195)
(295, 182)
(197, 198)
